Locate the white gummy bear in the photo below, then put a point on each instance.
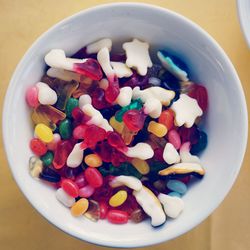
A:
(124, 97)
(121, 69)
(129, 181)
(46, 95)
(104, 60)
(63, 74)
(186, 156)
(170, 154)
(137, 53)
(95, 47)
(150, 205)
(186, 110)
(173, 206)
(141, 151)
(76, 156)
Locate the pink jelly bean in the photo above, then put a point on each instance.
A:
(80, 180)
(52, 145)
(32, 96)
(174, 138)
(86, 191)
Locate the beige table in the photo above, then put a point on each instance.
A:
(21, 227)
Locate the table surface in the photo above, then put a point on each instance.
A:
(21, 22)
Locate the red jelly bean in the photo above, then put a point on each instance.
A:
(86, 191)
(38, 147)
(174, 138)
(62, 152)
(199, 93)
(70, 187)
(116, 141)
(134, 119)
(93, 177)
(167, 118)
(98, 99)
(103, 210)
(113, 90)
(90, 68)
(80, 180)
(117, 216)
(79, 131)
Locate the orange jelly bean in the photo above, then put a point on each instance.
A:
(80, 207)
(167, 118)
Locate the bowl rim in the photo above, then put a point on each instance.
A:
(184, 229)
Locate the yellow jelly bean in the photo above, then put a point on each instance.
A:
(117, 126)
(80, 207)
(44, 133)
(93, 160)
(118, 199)
(157, 129)
(141, 165)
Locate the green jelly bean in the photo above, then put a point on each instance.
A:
(71, 104)
(136, 104)
(65, 129)
(47, 158)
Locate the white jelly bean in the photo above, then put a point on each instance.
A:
(128, 181)
(151, 206)
(121, 69)
(173, 205)
(104, 60)
(75, 157)
(64, 198)
(170, 154)
(138, 57)
(98, 45)
(186, 111)
(141, 151)
(83, 100)
(185, 154)
(46, 95)
(124, 97)
(63, 74)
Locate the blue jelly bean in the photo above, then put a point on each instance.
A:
(174, 194)
(177, 186)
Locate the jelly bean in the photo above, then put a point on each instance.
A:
(80, 207)
(117, 216)
(53, 144)
(46, 95)
(80, 181)
(62, 152)
(38, 147)
(70, 187)
(134, 119)
(141, 165)
(200, 145)
(93, 177)
(189, 134)
(174, 194)
(199, 93)
(47, 158)
(177, 186)
(65, 129)
(79, 132)
(170, 154)
(44, 133)
(157, 129)
(93, 160)
(158, 142)
(86, 191)
(64, 198)
(70, 105)
(103, 210)
(35, 166)
(174, 138)
(117, 126)
(76, 156)
(93, 212)
(32, 96)
(158, 154)
(167, 118)
(118, 199)
(138, 216)
(50, 175)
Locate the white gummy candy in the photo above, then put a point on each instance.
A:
(46, 95)
(83, 100)
(124, 97)
(150, 205)
(173, 206)
(170, 154)
(63, 74)
(64, 198)
(98, 45)
(138, 56)
(186, 111)
(75, 157)
(141, 151)
(121, 69)
(104, 83)
(104, 60)
(152, 107)
(185, 154)
(128, 181)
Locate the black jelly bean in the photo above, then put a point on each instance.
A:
(50, 175)
(200, 145)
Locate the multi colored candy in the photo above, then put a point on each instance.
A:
(117, 135)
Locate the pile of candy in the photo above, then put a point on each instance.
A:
(116, 134)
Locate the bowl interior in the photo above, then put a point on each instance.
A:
(225, 122)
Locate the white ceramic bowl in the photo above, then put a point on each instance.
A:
(226, 120)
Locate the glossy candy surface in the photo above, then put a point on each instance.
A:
(70, 187)
(44, 133)
(38, 147)
(93, 177)
(117, 216)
